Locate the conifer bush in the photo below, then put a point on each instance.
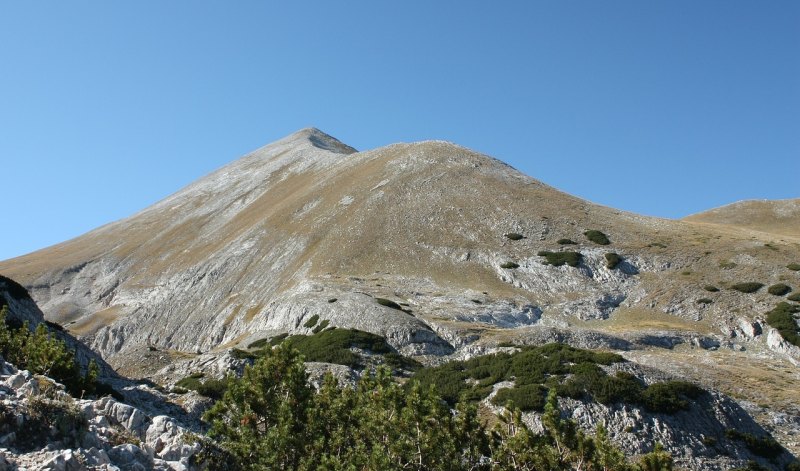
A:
(597, 237)
(781, 318)
(779, 289)
(748, 287)
(612, 260)
(273, 419)
(558, 259)
(41, 353)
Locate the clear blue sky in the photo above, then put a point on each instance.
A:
(662, 108)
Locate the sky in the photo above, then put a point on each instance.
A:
(660, 108)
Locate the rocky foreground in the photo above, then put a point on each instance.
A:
(43, 427)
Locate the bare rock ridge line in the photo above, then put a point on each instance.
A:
(442, 251)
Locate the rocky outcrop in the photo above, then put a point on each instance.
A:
(45, 428)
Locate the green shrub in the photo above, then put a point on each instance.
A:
(213, 388)
(527, 397)
(312, 321)
(389, 303)
(782, 319)
(748, 287)
(767, 447)
(41, 353)
(332, 300)
(558, 259)
(704, 301)
(514, 236)
(322, 325)
(278, 339)
(509, 265)
(333, 346)
(260, 343)
(597, 237)
(711, 288)
(779, 289)
(794, 297)
(192, 381)
(566, 242)
(612, 260)
(670, 397)
(399, 362)
(727, 264)
(793, 266)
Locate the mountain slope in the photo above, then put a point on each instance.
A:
(774, 216)
(308, 227)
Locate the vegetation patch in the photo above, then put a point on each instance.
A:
(322, 326)
(704, 301)
(793, 266)
(794, 297)
(670, 397)
(566, 242)
(558, 259)
(334, 346)
(312, 321)
(274, 419)
(526, 397)
(212, 387)
(711, 288)
(41, 353)
(782, 319)
(260, 343)
(748, 287)
(779, 289)
(509, 265)
(612, 260)
(569, 371)
(332, 300)
(597, 237)
(767, 447)
(514, 236)
(727, 264)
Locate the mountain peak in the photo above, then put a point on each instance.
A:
(320, 140)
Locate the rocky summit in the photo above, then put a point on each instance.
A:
(446, 254)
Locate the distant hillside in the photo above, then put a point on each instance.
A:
(780, 217)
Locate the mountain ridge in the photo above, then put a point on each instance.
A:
(294, 231)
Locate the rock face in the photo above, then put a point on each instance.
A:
(45, 428)
(307, 226)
